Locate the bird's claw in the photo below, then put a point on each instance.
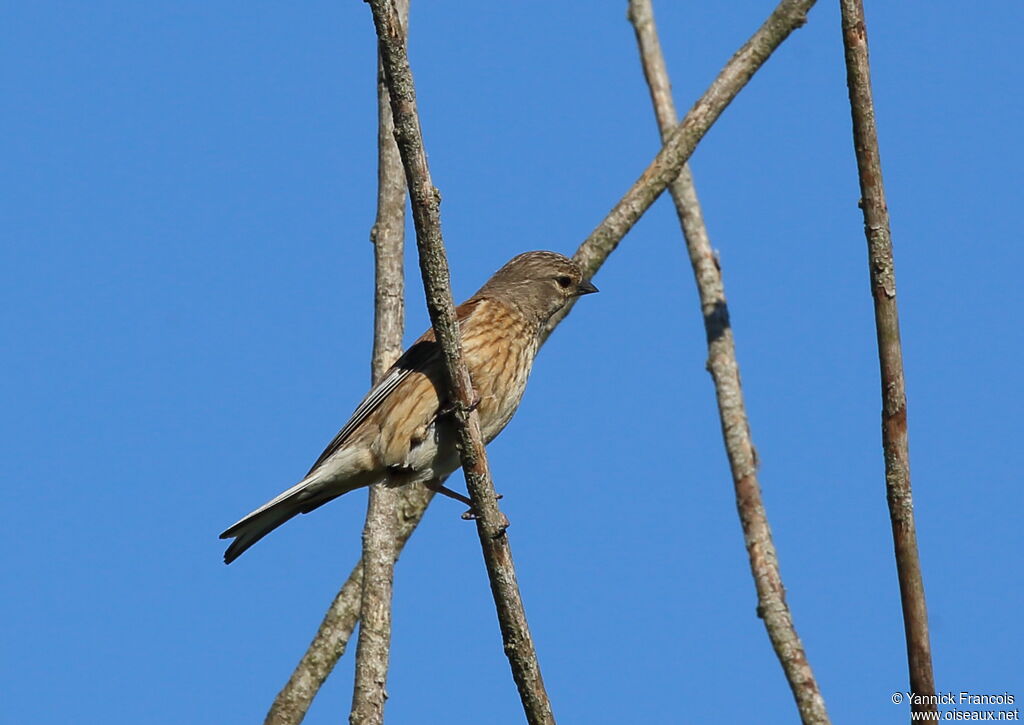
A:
(450, 408)
(471, 514)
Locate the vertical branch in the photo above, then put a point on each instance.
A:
(724, 369)
(890, 354)
(491, 522)
(388, 233)
(331, 639)
(380, 536)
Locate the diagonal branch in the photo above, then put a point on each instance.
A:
(332, 637)
(380, 535)
(890, 355)
(725, 372)
(491, 524)
(682, 140)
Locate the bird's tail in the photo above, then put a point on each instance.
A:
(313, 491)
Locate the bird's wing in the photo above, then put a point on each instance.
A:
(424, 355)
(417, 357)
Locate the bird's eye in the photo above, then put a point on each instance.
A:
(564, 281)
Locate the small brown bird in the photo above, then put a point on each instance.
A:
(400, 433)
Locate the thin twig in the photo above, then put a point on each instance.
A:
(331, 639)
(490, 521)
(724, 369)
(890, 355)
(380, 530)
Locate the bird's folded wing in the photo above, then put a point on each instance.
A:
(423, 356)
(417, 358)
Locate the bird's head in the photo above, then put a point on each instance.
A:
(538, 283)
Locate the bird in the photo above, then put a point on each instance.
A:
(402, 432)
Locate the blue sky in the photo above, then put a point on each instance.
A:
(186, 310)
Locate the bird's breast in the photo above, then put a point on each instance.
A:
(499, 346)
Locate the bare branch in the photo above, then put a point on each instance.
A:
(380, 530)
(332, 637)
(437, 285)
(388, 233)
(328, 645)
(724, 369)
(680, 143)
(890, 354)
(331, 640)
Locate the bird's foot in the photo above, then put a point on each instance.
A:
(451, 407)
(440, 488)
(472, 515)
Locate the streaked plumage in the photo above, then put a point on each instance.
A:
(397, 433)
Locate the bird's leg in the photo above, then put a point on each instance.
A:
(472, 515)
(438, 487)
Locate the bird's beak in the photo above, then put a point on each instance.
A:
(585, 288)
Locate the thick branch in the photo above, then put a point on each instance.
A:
(380, 530)
(724, 369)
(436, 282)
(890, 354)
(331, 639)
